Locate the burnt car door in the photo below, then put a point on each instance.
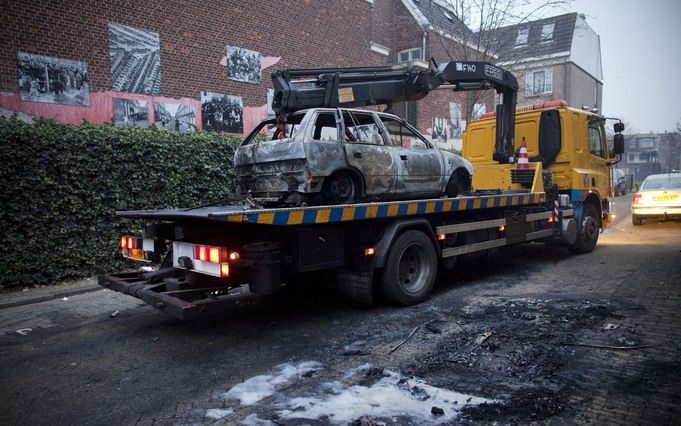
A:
(366, 151)
(420, 164)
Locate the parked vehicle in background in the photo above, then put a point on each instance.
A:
(659, 197)
(619, 182)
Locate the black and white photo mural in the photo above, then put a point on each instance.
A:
(178, 117)
(222, 113)
(439, 134)
(135, 60)
(243, 65)
(454, 120)
(52, 80)
(130, 112)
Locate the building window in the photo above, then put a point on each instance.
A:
(448, 14)
(547, 32)
(635, 157)
(521, 38)
(632, 143)
(539, 82)
(409, 55)
(646, 143)
(478, 110)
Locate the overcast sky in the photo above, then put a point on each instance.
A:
(641, 52)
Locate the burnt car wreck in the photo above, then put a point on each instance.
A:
(339, 155)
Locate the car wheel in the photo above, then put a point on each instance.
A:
(636, 220)
(588, 232)
(410, 270)
(456, 185)
(340, 188)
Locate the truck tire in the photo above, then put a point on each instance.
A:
(587, 237)
(636, 220)
(410, 269)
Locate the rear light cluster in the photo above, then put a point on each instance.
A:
(217, 255)
(131, 243)
(637, 199)
(137, 248)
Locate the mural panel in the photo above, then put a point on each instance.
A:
(52, 80)
(135, 60)
(454, 120)
(130, 112)
(222, 113)
(243, 65)
(439, 134)
(178, 117)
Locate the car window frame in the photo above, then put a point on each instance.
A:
(345, 130)
(411, 128)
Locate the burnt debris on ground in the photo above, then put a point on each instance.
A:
(515, 352)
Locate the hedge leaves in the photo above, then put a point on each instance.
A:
(62, 184)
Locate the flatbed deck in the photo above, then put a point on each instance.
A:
(339, 213)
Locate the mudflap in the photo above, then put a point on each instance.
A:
(184, 304)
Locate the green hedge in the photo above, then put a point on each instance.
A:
(62, 184)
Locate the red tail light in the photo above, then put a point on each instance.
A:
(637, 198)
(213, 254)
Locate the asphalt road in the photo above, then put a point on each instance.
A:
(79, 366)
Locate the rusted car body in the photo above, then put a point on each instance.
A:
(346, 155)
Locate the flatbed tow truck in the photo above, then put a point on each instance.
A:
(220, 257)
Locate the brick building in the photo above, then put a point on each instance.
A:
(117, 60)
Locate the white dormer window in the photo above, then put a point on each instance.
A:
(547, 32)
(521, 38)
(409, 55)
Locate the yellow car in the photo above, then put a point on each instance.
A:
(659, 197)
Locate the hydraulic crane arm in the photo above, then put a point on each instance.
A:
(297, 89)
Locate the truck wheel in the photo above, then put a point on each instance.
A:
(410, 269)
(636, 220)
(340, 189)
(588, 233)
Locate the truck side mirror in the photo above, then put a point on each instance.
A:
(619, 142)
(619, 127)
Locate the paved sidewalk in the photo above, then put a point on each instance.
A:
(42, 294)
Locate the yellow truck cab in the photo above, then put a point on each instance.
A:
(569, 143)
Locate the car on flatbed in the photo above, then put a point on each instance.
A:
(339, 155)
(658, 197)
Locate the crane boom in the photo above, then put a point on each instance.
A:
(297, 89)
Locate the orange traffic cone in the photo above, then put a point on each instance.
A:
(523, 162)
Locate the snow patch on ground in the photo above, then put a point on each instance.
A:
(216, 413)
(260, 387)
(365, 390)
(390, 396)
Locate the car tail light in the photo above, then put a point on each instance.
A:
(636, 199)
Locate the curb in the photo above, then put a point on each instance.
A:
(48, 295)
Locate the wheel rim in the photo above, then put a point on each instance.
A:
(342, 188)
(414, 268)
(589, 229)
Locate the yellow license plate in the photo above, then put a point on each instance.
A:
(665, 197)
(137, 254)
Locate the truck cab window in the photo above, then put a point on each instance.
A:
(596, 141)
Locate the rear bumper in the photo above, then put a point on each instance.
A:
(182, 304)
(657, 211)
